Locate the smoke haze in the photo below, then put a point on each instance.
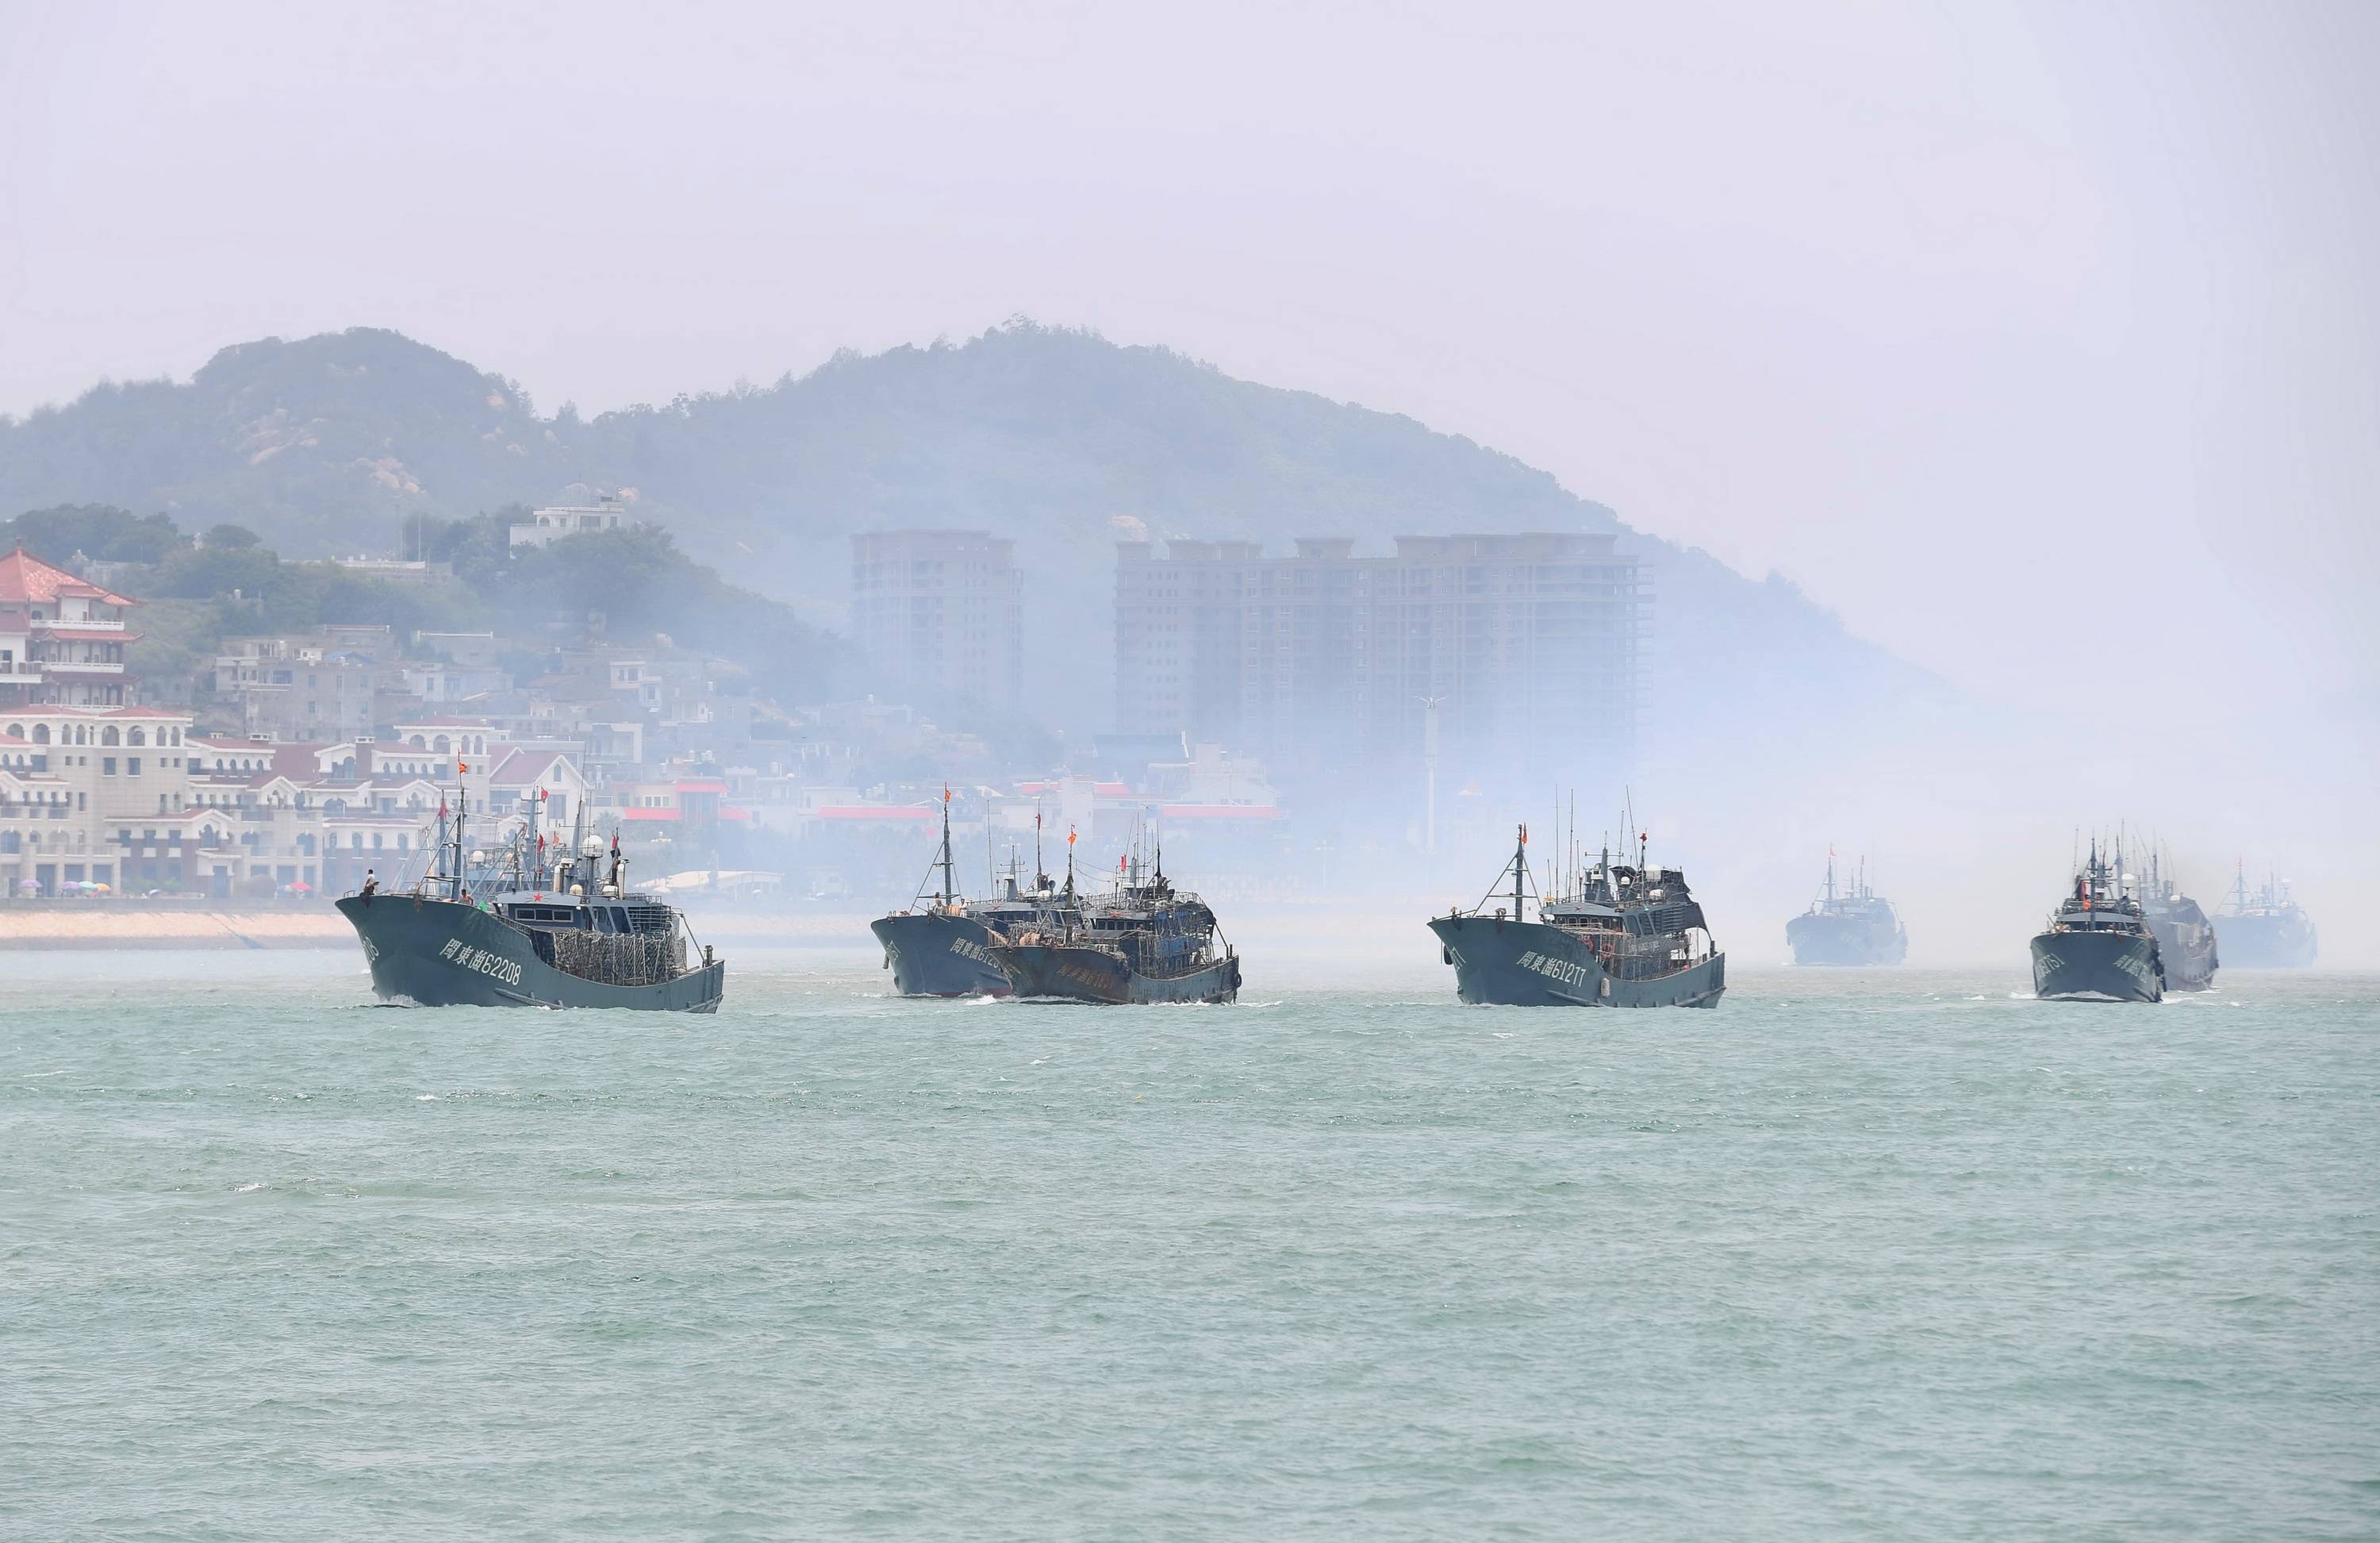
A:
(2039, 344)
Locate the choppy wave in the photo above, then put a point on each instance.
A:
(829, 1263)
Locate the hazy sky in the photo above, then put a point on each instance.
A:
(1969, 318)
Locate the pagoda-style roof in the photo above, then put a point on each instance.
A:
(24, 577)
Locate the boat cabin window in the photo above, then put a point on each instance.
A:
(551, 916)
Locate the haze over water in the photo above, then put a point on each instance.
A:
(1894, 1252)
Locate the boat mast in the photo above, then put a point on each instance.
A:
(946, 846)
(1520, 872)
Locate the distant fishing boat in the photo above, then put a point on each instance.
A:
(2265, 929)
(1855, 926)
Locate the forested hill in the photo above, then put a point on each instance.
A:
(323, 445)
(329, 440)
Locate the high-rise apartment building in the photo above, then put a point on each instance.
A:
(1323, 662)
(941, 609)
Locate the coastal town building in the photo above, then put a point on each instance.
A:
(62, 637)
(291, 763)
(546, 525)
(395, 570)
(942, 610)
(323, 687)
(1528, 649)
(133, 799)
(468, 649)
(437, 683)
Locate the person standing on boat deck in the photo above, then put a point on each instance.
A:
(371, 883)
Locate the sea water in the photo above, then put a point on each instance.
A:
(1885, 1252)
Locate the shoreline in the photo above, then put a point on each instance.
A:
(27, 928)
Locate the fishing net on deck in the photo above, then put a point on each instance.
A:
(637, 959)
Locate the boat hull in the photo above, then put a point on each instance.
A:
(2266, 942)
(2098, 967)
(2187, 954)
(445, 954)
(1070, 974)
(1817, 940)
(1528, 964)
(940, 955)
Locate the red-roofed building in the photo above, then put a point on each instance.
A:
(62, 638)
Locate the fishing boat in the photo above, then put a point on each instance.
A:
(2265, 929)
(940, 945)
(2185, 934)
(1853, 926)
(1144, 942)
(539, 924)
(1621, 936)
(2097, 946)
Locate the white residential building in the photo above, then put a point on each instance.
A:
(129, 797)
(552, 525)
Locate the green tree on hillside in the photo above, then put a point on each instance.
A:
(99, 530)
